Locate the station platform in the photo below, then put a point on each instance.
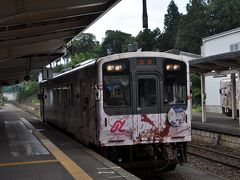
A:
(32, 150)
(216, 122)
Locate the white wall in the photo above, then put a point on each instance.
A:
(213, 45)
(10, 96)
(220, 44)
(212, 90)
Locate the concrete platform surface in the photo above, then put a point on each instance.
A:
(216, 122)
(32, 150)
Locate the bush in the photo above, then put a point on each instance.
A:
(28, 90)
(197, 108)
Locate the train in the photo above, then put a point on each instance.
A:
(133, 108)
(226, 97)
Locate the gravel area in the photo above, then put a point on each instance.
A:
(214, 167)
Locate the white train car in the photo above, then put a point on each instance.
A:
(135, 108)
(226, 97)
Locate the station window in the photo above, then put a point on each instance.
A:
(235, 47)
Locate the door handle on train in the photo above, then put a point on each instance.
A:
(139, 109)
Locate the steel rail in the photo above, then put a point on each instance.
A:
(214, 151)
(215, 160)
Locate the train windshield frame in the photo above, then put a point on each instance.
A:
(175, 83)
(144, 85)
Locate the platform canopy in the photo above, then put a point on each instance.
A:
(216, 65)
(219, 65)
(35, 33)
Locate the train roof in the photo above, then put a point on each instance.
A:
(123, 56)
(76, 68)
(144, 54)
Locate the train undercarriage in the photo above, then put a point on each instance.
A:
(147, 159)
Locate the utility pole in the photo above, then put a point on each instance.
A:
(145, 15)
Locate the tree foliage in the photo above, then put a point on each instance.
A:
(196, 88)
(115, 42)
(148, 40)
(85, 47)
(85, 42)
(27, 90)
(193, 27)
(223, 15)
(58, 68)
(171, 22)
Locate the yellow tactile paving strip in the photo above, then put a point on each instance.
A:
(68, 163)
(27, 162)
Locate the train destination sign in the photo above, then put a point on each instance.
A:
(146, 61)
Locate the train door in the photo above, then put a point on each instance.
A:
(146, 106)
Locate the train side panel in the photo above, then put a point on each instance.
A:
(69, 103)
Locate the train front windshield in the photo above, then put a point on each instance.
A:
(175, 83)
(144, 85)
(116, 91)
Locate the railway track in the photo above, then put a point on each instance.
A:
(215, 156)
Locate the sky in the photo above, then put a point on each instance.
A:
(126, 16)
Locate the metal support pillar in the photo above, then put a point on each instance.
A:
(238, 99)
(239, 114)
(233, 96)
(203, 99)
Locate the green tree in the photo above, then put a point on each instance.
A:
(58, 68)
(80, 57)
(223, 15)
(28, 90)
(84, 47)
(193, 27)
(196, 88)
(115, 42)
(85, 42)
(171, 21)
(148, 40)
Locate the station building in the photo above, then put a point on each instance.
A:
(228, 41)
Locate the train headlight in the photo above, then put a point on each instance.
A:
(172, 67)
(110, 67)
(118, 67)
(176, 67)
(168, 67)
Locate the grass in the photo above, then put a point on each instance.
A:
(197, 108)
